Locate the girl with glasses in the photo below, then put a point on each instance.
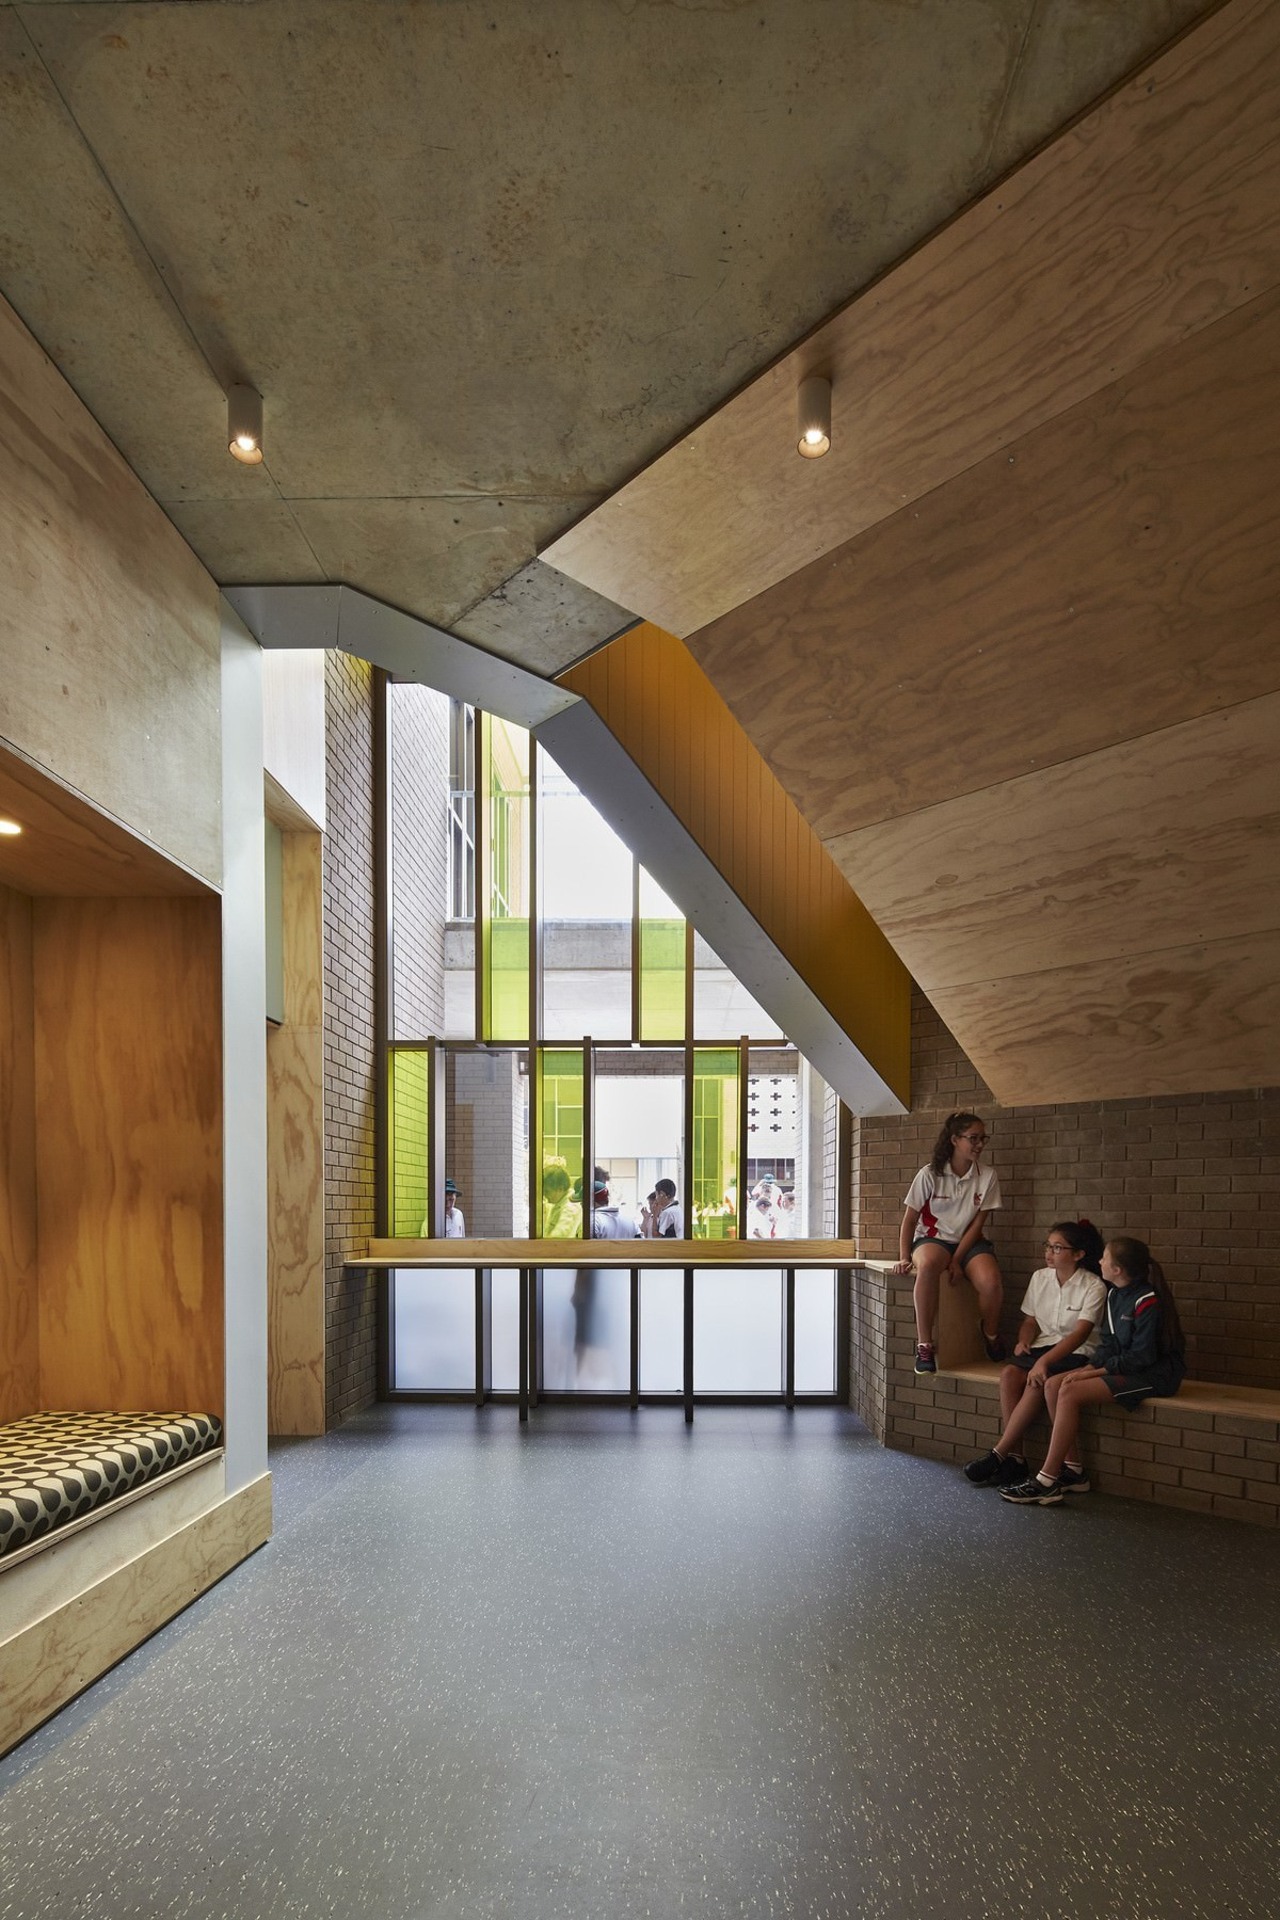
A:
(1061, 1309)
(1140, 1354)
(947, 1205)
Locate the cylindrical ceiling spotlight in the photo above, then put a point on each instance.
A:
(244, 425)
(813, 416)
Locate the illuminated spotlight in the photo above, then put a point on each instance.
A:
(244, 425)
(813, 417)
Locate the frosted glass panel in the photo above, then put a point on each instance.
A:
(586, 1330)
(504, 1343)
(435, 1329)
(816, 1331)
(737, 1331)
(662, 1332)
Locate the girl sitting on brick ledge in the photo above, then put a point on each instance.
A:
(1140, 1355)
(944, 1231)
(1061, 1309)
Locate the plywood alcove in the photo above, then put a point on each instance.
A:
(111, 1257)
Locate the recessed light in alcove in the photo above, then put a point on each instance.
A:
(10, 828)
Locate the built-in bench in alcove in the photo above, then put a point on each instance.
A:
(111, 1210)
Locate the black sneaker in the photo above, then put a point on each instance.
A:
(1013, 1471)
(995, 1346)
(1031, 1493)
(985, 1470)
(1073, 1480)
(925, 1361)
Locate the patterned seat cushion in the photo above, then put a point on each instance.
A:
(56, 1467)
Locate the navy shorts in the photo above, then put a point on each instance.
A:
(979, 1246)
(1160, 1382)
(1025, 1361)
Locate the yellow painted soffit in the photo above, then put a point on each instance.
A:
(654, 697)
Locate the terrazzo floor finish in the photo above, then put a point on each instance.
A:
(609, 1667)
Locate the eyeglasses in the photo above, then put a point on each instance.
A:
(975, 1139)
(1056, 1246)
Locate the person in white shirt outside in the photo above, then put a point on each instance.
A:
(759, 1219)
(1061, 1309)
(670, 1213)
(608, 1222)
(943, 1231)
(455, 1227)
(784, 1218)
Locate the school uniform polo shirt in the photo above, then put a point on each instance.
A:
(947, 1202)
(1058, 1310)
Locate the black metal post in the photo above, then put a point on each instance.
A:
(484, 1370)
(789, 1338)
(688, 1346)
(635, 1338)
(524, 1343)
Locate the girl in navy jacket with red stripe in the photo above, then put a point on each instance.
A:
(1139, 1355)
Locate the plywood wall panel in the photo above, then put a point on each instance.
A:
(19, 1348)
(1116, 572)
(1192, 1019)
(1151, 844)
(295, 1230)
(1152, 218)
(104, 611)
(128, 1069)
(295, 1156)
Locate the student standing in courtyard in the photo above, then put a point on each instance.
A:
(944, 1232)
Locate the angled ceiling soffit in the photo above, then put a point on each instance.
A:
(1125, 235)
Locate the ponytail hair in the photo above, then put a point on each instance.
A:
(1134, 1258)
(1084, 1239)
(953, 1124)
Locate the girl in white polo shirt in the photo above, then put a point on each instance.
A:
(943, 1231)
(1061, 1309)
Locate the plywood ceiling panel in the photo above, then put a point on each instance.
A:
(68, 848)
(1146, 845)
(1188, 1019)
(1115, 572)
(1151, 219)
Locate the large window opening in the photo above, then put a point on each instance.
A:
(556, 1023)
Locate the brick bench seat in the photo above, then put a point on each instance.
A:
(59, 1470)
(1210, 1448)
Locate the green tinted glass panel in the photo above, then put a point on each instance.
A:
(662, 965)
(562, 1113)
(715, 1143)
(408, 1076)
(505, 926)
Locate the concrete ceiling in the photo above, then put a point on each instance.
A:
(484, 261)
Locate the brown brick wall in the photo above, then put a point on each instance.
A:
(869, 1348)
(1195, 1175)
(1219, 1462)
(351, 1364)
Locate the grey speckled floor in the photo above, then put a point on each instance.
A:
(610, 1668)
